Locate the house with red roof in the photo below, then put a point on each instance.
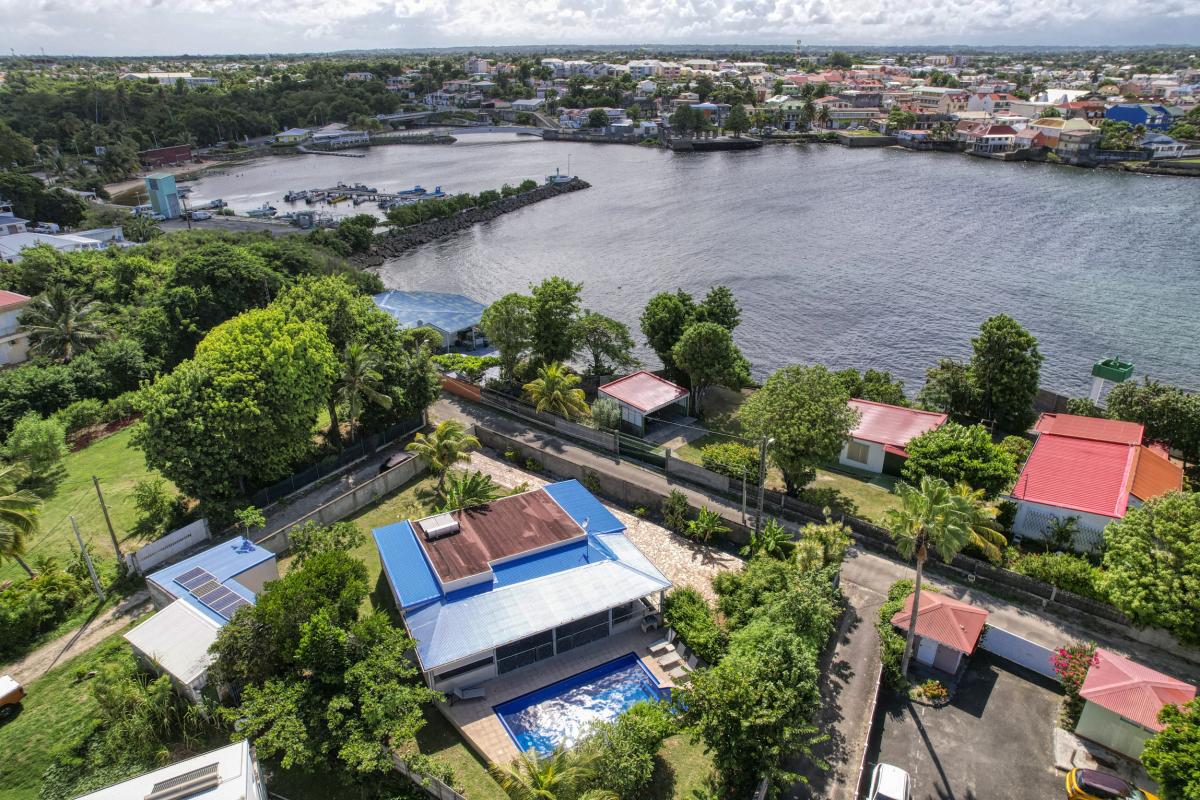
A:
(641, 395)
(877, 442)
(1091, 469)
(947, 629)
(1121, 702)
(14, 341)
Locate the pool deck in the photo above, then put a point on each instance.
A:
(480, 726)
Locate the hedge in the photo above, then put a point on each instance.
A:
(695, 623)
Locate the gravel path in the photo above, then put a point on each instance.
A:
(684, 562)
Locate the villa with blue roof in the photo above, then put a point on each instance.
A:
(197, 596)
(455, 316)
(492, 589)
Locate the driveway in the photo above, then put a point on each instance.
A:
(995, 741)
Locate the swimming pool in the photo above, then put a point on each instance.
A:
(562, 712)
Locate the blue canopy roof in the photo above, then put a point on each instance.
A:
(446, 312)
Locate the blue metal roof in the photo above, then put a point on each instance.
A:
(582, 506)
(446, 312)
(225, 561)
(405, 565)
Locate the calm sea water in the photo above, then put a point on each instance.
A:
(854, 258)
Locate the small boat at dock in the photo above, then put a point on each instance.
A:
(337, 198)
(265, 210)
(293, 196)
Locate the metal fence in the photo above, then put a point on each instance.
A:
(265, 497)
(432, 786)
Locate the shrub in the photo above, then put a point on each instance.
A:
(591, 482)
(81, 414)
(310, 539)
(606, 414)
(694, 622)
(40, 443)
(1071, 664)
(706, 525)
(734, 459)
(957, 453)
(934, 691)
(1018, 447)
(532, 465)
(639, 511)
(621, 753)
(675, 511)
(160, 509)
(34, 606)
(1006, 515)
(1067, 571)
(121, 407)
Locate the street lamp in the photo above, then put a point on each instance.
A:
(762, 480)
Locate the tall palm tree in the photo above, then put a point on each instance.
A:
(534, 777)
(980, 519)
(19, 510)
(821, 115)
(467, 489)
(60, 324)
(929, 518)
(557, 391)
(358, 384)
(447, 444)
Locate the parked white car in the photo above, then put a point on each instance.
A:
(198, 216)
(889, 783)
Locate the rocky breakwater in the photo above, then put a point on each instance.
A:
(400, 240)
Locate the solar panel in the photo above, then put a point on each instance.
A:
(194, 577)
(205, 588)
(230, 607)
(223, 601)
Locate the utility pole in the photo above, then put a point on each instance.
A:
(104, 507)
(87, 559)
(762, 480)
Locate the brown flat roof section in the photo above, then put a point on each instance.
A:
(503, 528)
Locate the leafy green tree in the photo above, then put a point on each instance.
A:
(1152, 564)
(961, 453)
(470, 367)
(19, 511)
(873, 385)
(1084, 407)
(469, 489)
(311, 539)
(1171, 755)
(555, 308)
(606, 342)
(40, 444)
(15, 149)
(901, 120)
(1005, 368)
(508, 324)
(707, 355)
(606, 414)
(241, 413)
(620, 754)
(721, 307)
(928, 519)
(32, 200)
(442, 448)
(535, 777)
(61, 325)
(597, 118)
(804, 409)
(140, 228)
(556, 391)
(732, 458)
(738, 122)
(950, 387)
(663, 321)
(359, 382)
(1050, 112)
(1168, 414)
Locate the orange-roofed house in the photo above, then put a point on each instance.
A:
(877, 442)
(1091, 469)
(1122, 700)
(946, 630)
(644, 396)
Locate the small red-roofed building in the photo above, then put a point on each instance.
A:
(947, 629)
(1121, 702)
(1093, 470)
(877, 442)
(14, 340)
(643, 394)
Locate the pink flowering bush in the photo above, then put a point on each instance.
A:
(1071, 663)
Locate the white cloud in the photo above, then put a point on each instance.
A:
(155, 27)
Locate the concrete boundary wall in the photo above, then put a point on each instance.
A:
(1018, 650)
(344, 505)
(165, 549)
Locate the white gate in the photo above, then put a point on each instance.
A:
(1019, 651)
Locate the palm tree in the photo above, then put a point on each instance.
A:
(61, 325)
(707, 524)
(1061, 531)
(358, 384)
(980, 520)
(822, 114)
(928, 518)
(447, 444)
(773, 540)
(468, 489)
(19, 509)
(534, 777)
(557, 391)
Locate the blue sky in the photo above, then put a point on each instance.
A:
(139, 27)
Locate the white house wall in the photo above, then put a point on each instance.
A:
(1032, 518)
(1112, 730)
(875, 455)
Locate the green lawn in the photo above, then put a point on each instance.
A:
(119, 466)
(682, 767)
(58, 711)
(871, 493)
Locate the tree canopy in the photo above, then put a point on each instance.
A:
(961, 454)
(707, 354)
(1171, 755)
(508, 324)
(1005, 367)
(605, 342)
